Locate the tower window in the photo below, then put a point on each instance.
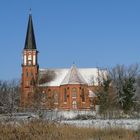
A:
(34, 59)
(29, 62)
(24, 60)
(26, 73)
(30, 57)
(31, 74)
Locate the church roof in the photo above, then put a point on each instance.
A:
(73, 77)
(30, 37)
(61, 76)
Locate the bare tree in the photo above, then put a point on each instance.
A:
(124, 85)
(105, 94)
(46, 76)
(118, 89)
(9, 96)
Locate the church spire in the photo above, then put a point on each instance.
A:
(30, 42)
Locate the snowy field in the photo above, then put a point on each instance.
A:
(98, 123)
(70, 117)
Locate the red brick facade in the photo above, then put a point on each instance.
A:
(70, 96)
(29, 75)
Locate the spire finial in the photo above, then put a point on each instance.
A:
(73, 63)
(30, 11)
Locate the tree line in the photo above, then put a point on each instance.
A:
(119, 89)
(9, 96)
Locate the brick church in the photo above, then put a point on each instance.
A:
(61, 88)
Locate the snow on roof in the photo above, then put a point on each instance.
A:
(73, 77)
(59, 76)
(89, 75)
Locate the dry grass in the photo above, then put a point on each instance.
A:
(40, 130)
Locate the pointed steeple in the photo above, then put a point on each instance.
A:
(30, 42)
(73, 77)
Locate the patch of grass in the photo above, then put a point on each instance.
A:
(42, 130)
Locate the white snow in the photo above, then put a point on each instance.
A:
(99, 123)
(73, 114)
(60, 74)
(73, 77)
(90, 75)
(67, 117)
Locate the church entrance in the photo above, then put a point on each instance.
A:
(74, 105)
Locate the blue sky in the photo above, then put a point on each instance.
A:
(88, 32)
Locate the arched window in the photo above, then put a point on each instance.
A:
(24, 59)
(55, 96)
(31, 74)
(29, 59)
(83, 95)
(74, 92)
(26, 73)
(43, 97)
(65, 95)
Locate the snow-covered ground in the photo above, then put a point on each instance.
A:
(67, 115)
(72, 118)
(99, 123)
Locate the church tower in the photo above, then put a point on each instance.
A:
(30, 65)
